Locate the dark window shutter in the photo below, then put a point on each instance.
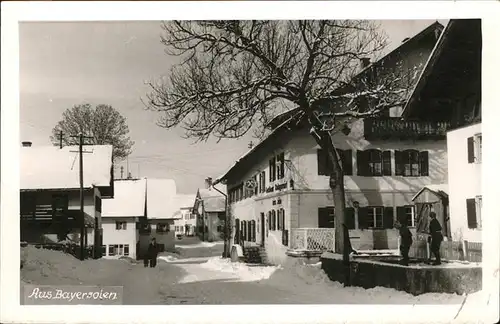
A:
(331, 217)
(471, 213)
(399, 162)
(283, 218)
(386, 163)
(470, 149)
(278, 220)
(401, 215)
(322, 217)
(321, 156)
(346, 160)
(349, 218)
(270, 170)
(362, 163)
(388, 217)
(423, 160)
(281, 159)
(362, 215)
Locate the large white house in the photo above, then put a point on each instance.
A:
(385, 160)
(120, 216)
(50, 192)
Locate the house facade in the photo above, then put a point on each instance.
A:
(282, 183)
(210, 207)
(450, 87)
(50, 193)
(186, 223)
(120, 216)
(161, 212)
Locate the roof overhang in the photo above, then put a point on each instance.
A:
(438, 190)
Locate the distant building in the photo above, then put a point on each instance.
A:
(186, 223)
(50, 192)
(120, 216)
(210, 207)
(161, 209)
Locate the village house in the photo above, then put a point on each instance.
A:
(210, 207)
(186, 223)
(50, 192)
(279, 191)
(120, 216)
(450, 89)
(161, 209)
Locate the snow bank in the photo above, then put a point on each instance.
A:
(217, 268)
(276, 251)
(242, 270)
(198, 245)
(173, 259)
(43, 266)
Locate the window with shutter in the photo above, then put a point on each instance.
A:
(411, 163)
(374, 162)
(471, 213)
(326, 217)
(388, 217)
(399, 163)
(254, 230)
(362, 217)
(322, 162)
(375, 217)
(281, 163)
(400, 214)
(283, 219)
(386, 163)
(345, 158)
(273, 220)
(272, 169)
(470, 149)
(424, 163)
(349, 218)
(361, 163)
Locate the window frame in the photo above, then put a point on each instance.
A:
(413, 216)
(120, 225)
(478, 148)
(374, 216)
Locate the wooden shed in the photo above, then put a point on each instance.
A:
(432, 198)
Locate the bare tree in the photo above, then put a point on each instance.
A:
(234, 73)
(103, 124)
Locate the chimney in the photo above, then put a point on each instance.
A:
(26, 144)
(208, 182)
(365, 61)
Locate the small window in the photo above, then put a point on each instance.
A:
(412, 163)
(375, 216)
(111, 250)
(126, 250)
(374, 162)
(103, 250)
(410, 216)
(474, 208)
(162, 228)
(121, 225)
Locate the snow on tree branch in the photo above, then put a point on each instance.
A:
(234, 75)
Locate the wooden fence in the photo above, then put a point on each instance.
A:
(450, 250)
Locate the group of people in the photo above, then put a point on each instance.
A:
(435, 238)
(152, 254)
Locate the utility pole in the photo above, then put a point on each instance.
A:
(227, 225)
(83, 232)
(61, 139)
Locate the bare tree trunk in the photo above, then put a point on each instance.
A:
(337, 188)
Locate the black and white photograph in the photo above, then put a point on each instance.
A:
(252, 162)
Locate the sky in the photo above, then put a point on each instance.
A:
(63, 64)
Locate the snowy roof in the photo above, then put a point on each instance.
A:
(213, 201)
(439, 189)
(129, 199)
(160, 198)
(51, 167)
(185, 201)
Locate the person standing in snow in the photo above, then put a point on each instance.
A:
(436, 237)
(152, 253)
(405, 242)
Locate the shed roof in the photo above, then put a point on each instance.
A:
(438, 189)
(129, 199)
(161, 199)
(51, 167)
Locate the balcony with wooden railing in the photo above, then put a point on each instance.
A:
(386, 128)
